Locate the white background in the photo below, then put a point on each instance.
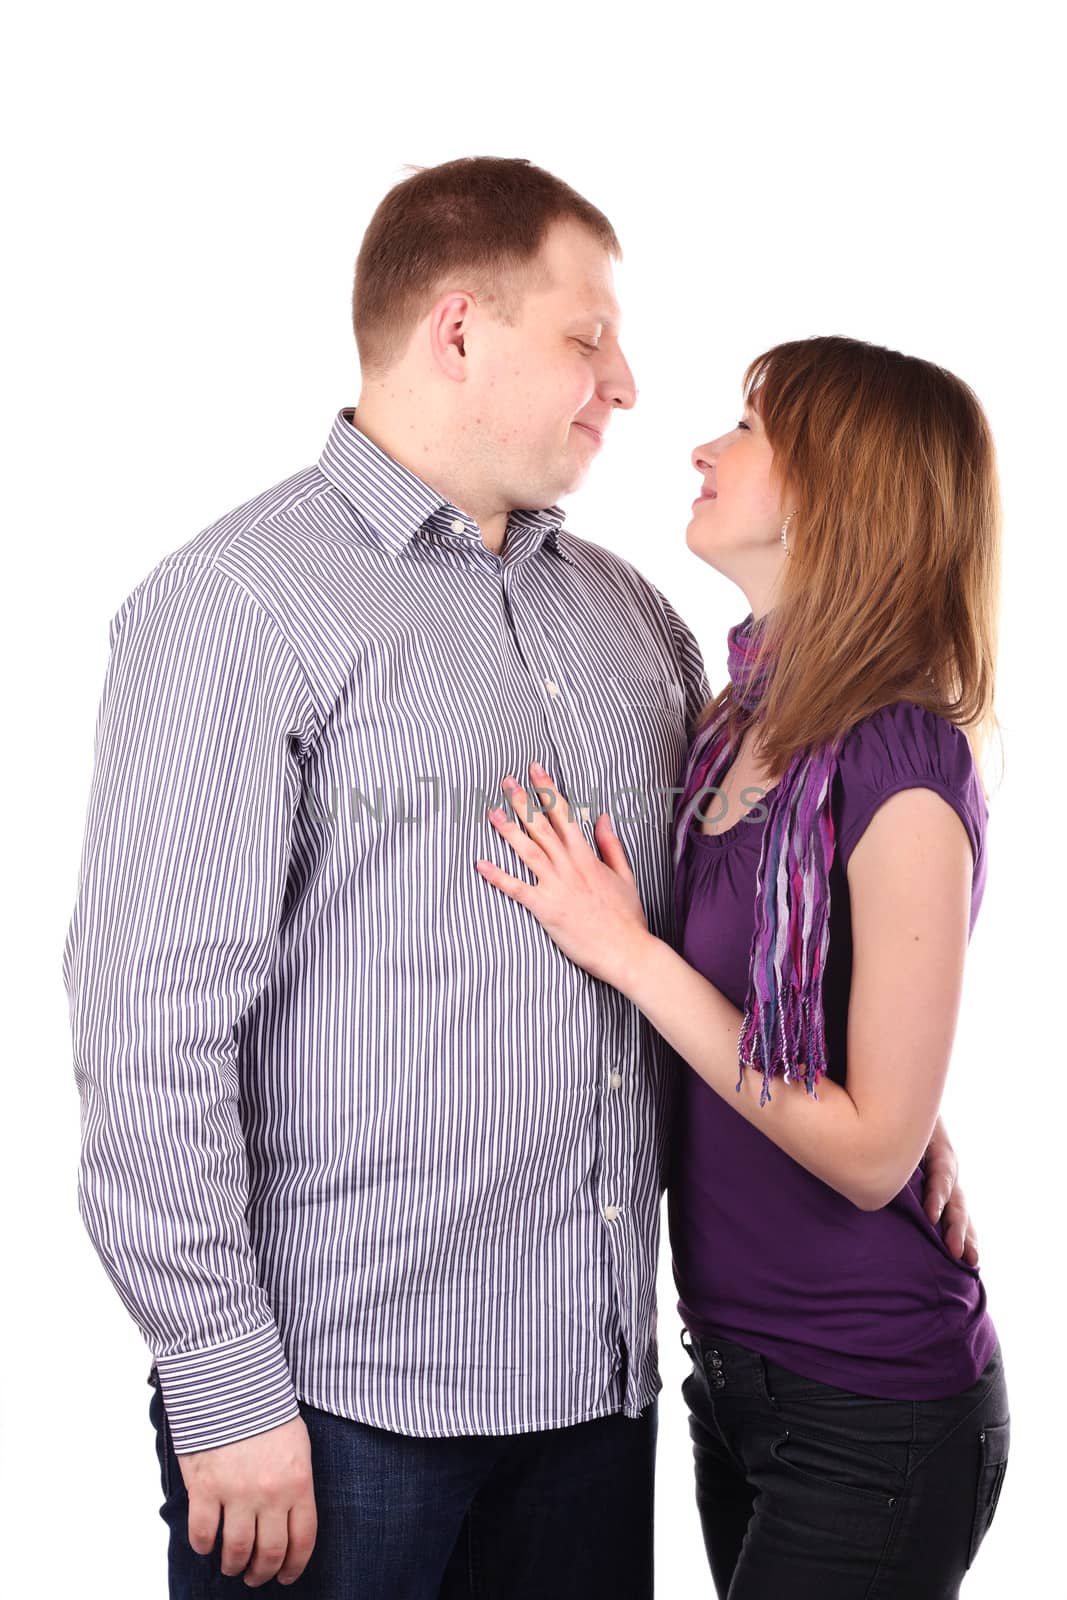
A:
(186, 192)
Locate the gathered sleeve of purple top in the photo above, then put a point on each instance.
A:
(904, 746)
(764, 1252)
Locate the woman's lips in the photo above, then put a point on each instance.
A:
(707, 495)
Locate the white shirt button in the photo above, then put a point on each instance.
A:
(583, 812)
(553, 688)
(610, 1213)
(616, 1080)
(457, 526)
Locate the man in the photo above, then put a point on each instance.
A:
(376, 1169)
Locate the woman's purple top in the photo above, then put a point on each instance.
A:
(764, 1252)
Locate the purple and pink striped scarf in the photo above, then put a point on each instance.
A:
(782, 1032)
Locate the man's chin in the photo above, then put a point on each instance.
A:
(569, 488)
(552, 494)
(573, 478)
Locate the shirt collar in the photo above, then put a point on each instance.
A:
(396, 503)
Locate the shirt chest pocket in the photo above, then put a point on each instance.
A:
(643, 728)
(651, 693)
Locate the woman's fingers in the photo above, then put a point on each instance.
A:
(514, 888)
(610, 847)
(527, 848)
(543, 815)
(559, 813)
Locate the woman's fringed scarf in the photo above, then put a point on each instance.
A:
(782, 1032)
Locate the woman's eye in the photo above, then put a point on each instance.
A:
(744, 425)
(586, 346)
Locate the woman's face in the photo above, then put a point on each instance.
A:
(737, 519)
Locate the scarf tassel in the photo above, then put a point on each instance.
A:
(756, 1049)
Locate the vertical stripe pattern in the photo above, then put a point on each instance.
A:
(353, 1128)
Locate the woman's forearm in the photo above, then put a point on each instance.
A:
(825, 1135)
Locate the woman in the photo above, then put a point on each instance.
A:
(848, 1405)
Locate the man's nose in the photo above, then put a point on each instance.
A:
(618, 385)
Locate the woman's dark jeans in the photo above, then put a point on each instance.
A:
(806, 1490)
(561, 1515)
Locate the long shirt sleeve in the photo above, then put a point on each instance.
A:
(201, 727)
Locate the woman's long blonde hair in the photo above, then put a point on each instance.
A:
(891, 590)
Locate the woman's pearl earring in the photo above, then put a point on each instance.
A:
(785, 525)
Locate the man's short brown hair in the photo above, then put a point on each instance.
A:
(480, 221)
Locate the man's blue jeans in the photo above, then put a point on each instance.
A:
(566, 1512)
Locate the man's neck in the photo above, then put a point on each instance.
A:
(402, 443)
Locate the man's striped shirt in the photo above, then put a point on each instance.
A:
(353, 1128)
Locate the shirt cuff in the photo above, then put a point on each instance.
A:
(231, 1392)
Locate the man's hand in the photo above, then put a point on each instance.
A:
(943, 1195)
(263, 1488)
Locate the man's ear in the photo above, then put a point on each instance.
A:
(447, 326)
